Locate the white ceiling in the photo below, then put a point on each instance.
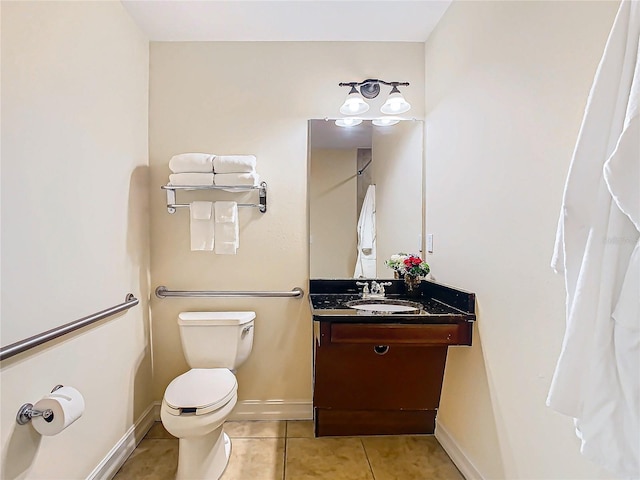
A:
(284, 20)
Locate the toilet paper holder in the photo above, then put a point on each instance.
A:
(27, 412)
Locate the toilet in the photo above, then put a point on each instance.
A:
(197, 403)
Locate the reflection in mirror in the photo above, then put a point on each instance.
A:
(365, 197)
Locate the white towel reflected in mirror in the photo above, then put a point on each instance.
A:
(366, 261)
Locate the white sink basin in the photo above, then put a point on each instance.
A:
(381, 307)
(385, 306)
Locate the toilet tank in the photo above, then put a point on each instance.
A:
(216, 339)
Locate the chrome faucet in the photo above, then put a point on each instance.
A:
(365, 288)
(376, 291)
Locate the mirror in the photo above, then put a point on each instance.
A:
(343, 163)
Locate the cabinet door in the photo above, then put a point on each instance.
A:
(366, 377)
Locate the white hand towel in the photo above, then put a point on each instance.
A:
(227, 241)
(191, 179)
(226, 248)
(202, 225)
(192, 162)
(236, 179)
(234, 164)
(227, 229)
(226, 212)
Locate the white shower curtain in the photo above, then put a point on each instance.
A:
(597, 378)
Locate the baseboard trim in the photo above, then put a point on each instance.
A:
(110, 465)
(461, 460)
(272, 410)
(156, 411)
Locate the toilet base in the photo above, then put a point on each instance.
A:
(205, 457)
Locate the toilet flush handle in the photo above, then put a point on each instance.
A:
(245, 330)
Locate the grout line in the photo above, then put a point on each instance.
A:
(284, 457)
(373, 475)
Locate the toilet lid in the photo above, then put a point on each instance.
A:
(215, 318)
(200, 388)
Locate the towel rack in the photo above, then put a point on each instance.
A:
(172, 204)
(163, 292)
(34, 341)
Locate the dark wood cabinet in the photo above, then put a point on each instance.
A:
(381, 374)
(380, 378)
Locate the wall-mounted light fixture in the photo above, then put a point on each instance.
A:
(348, 122)
(385, 121)
(355, 103)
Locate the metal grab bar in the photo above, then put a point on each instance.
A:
(34, 341)
(163, 292)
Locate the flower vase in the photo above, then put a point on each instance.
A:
(412, 284)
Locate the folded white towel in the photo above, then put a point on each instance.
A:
(191, 179)
(226, 211)
(192, 162)
(234, 163)
(226, 248)
(201, 210)
(202, 225)
(236, 179)
(227, 229)
(227, 238)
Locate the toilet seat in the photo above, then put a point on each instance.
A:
(200, 391)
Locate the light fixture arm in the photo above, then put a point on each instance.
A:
(370, 88)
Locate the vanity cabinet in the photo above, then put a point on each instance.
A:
(373, 379)
(381, 374)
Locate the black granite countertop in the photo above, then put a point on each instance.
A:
(440, 303)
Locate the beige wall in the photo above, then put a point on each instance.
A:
(506, 87)
(397, 173)
(332, 207)
(252, 98)
(74, 226)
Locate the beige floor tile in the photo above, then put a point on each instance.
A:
(256, 459)
(409, 458)
(153, 459)
(300, 429)
(158, 431)
(326, 458)
(275, 429)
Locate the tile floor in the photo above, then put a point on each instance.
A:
(286, 450)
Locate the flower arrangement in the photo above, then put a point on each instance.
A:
(408, 264)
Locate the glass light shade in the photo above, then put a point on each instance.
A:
(385, 121)
(395, 104)
(348, 122)
(354, 104)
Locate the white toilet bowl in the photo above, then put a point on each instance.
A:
(194, 408)
(196, 404)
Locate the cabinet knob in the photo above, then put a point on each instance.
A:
(381, 349)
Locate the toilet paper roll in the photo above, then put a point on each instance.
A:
(67, 405)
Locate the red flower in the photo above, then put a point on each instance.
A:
(412, 261)
(410, 264)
